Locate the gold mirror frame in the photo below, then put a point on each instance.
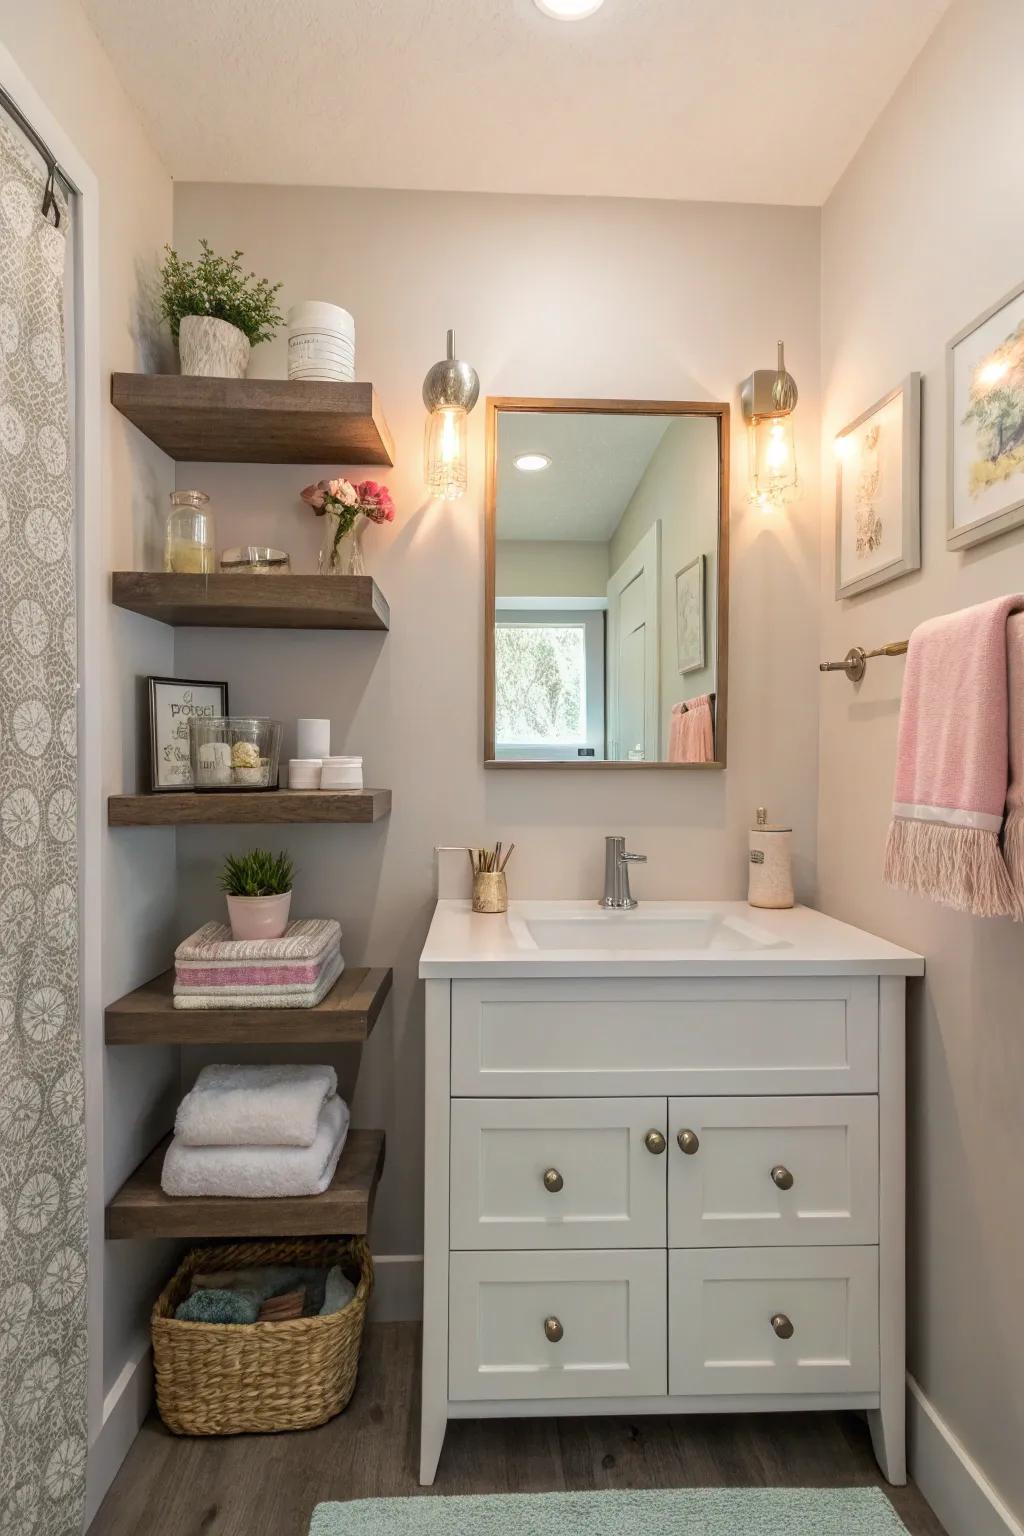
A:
(497, 404)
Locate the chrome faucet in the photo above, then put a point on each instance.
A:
(616, 875)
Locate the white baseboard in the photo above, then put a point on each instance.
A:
(949, 1478)
(124, 1411)
(398, 1287)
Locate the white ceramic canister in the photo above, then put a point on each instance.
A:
(342, 773)
(321, 341)
(771, 864)
(313, 738)
(304, 773)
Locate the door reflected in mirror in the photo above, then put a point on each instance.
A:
(607, 583)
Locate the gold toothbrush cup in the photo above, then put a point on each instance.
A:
(490, 891)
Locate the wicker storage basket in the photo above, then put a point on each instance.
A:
(255, 1378)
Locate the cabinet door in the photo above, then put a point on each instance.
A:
(558, 1173)
(766, 1320)
(772, 1171)
(551, 1325)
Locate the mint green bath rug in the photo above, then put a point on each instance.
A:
(669, 1512)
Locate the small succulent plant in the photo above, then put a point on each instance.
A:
(257, 873)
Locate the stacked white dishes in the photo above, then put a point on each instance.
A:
(321, 342)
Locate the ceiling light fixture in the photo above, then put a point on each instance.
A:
(568, 10)
(530, 463)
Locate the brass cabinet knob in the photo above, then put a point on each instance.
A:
(782, 1177)
(782, 1325)
(655, 1142)
(553, 1330)
(688, 1141)
(553, 1181)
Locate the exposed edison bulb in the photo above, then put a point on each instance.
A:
(773, 474)
(445, 459)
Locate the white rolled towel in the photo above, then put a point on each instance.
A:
(259, 1173)
(255, 1106)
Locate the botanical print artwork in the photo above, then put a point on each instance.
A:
(42, 1136)
(986, 400)
(997, 415)
(869, 482)
(877, 492)
(690, 616)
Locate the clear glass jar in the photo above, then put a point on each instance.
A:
(190, 542)
(234, 752)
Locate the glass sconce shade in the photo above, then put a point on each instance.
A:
(445, 458)
(773, 473)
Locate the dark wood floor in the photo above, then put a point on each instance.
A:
(264, 1485)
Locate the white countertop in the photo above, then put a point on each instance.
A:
(796, 942)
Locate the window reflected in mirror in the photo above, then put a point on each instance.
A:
(606, 583)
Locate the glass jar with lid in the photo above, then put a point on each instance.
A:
(189, 546)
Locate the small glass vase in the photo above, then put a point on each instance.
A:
(344, 557)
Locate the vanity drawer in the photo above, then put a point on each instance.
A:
(550, 1325)
(558, 1173)
(772, 1171)
(722, 1303)
(747, 1035)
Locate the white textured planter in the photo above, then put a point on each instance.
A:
(213, 348)
(258, 917)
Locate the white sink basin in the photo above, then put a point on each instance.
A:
(684, 933)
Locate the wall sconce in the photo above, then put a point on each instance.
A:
(768, 399)
(450, 391)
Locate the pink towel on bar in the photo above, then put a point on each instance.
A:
(691, 736)
(953, 764)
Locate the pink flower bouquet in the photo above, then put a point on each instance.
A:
(346, 503)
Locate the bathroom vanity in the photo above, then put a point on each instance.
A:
(664, 1165)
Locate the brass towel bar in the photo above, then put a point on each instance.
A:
(854, 663)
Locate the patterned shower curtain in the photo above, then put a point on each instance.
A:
(42, 1135)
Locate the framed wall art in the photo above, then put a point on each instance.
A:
(173, 702)
(878, 492)
(985, 424)
(690, 648)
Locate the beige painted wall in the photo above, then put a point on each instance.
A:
(924, 231)
(549, 296)
(679, 486)
(550, 568)
(55, 47)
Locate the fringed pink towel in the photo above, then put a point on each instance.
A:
(953, 763)
(691, 736)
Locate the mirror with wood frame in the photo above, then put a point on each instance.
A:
(607, 583)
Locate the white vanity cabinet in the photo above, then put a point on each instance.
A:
(668, 1192)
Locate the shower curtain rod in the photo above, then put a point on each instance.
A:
(17, 116)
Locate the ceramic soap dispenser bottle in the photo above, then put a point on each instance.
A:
(771, 864)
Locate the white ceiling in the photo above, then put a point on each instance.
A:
(729, 100)
(596, 465)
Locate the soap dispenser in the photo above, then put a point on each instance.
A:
(771, 864)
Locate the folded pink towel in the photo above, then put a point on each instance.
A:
(691, 736)
(247, 975)
(952, 763)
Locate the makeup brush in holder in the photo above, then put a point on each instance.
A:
(490, 888)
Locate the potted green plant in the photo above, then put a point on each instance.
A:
(258, 887)
(216, 311)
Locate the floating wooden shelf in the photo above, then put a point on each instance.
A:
(261, 807)
(347, 1015)
(256, 421)
(141, 1209)
(254, 602)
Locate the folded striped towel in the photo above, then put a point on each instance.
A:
(262, 997)
(254, 978)
(255, 1106)
(307, 938)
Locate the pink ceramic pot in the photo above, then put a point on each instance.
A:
(258, 917)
